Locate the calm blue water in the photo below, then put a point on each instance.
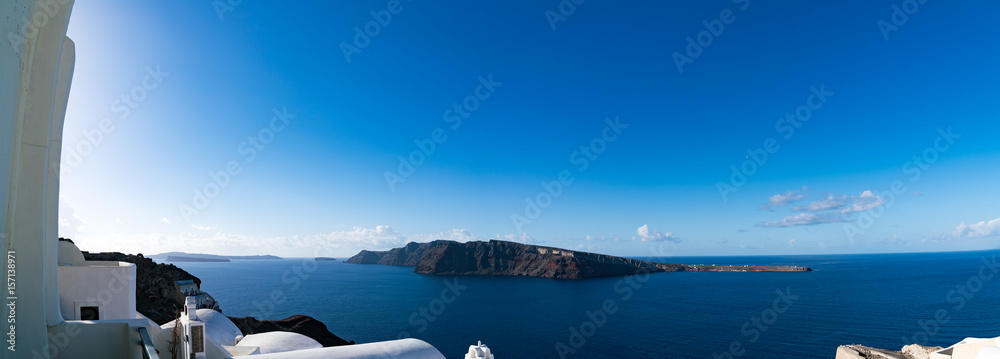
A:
(875, 300)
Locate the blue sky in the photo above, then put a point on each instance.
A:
(458, 121)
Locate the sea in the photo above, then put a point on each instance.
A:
(878, 300)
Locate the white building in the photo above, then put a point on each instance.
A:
(94, 290)
(479, 351)
(188, 288)
(970, 348)
(58, 304)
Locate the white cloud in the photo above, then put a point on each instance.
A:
(866, 201)
(828, 203)
(203, 239)
(844, 203)
(165, 220)
(794, 242)
(894, 240)
(832, 209)
(779, 200)
(601, 238)
(648, 235)
(381, 236)
(454, 234)
(522, 238)
(461, 235)
(981, 229)
(805, 219)
(70, 224)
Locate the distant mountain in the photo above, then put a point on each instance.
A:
(516, 259)
(194, 259)
(407, 256)
(191, 257)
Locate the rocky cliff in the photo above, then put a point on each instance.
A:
(509, 258)
(409, 255)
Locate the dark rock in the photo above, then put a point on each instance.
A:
(301, 324)
(408, 256)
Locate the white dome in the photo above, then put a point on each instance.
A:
(278, 342)
(403, 348)
(218, 328)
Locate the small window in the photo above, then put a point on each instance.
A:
(90, 313)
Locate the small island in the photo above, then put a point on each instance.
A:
(495, 257)
(194, 259)
(199, 257)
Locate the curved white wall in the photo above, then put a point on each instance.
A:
(108, 285)
(403, 348)
(278, 342)
(35, 72)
